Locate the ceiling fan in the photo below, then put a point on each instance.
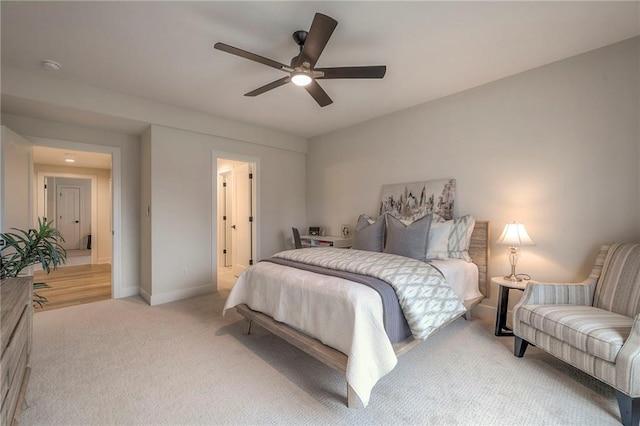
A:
(302, 71)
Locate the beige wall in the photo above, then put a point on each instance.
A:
(556, 148)
(182, 222)
(15, 181)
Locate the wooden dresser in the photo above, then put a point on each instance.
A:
(16, 320)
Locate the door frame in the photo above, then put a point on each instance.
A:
(40, 202)
(224, 226)
(116, 201)
(216, 155)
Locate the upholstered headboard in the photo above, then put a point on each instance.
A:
(411, 201)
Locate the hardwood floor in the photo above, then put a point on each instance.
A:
(74, 285)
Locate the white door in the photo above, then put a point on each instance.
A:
(68, 212)
(241, 226)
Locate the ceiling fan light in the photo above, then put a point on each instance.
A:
(300, 78)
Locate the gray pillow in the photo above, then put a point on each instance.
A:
(408, 240)
(368, 234)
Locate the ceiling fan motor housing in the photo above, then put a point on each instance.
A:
(300, 36)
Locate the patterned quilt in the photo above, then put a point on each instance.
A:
(426, 299)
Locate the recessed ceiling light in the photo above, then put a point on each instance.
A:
(50, 65)
(69, 158)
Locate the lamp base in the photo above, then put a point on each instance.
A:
(513, 278)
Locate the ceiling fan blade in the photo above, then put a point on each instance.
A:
(318, 94)
(321, 29)
(376, 71)
(251, 56)
(267, 87)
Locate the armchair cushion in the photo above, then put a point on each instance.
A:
(591, 330)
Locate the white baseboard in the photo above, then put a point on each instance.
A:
(484, 311)
(129, 291)
(145, 296)
(172, 296)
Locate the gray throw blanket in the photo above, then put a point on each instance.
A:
(426, 299)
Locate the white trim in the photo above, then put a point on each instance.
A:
(129, 291)
(215, 156)
(116, 213)
(172, 296)
(145, 296)
(484, 311)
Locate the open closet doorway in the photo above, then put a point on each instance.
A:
(236, 216)
(74, 192)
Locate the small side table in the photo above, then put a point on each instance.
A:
(503, 303)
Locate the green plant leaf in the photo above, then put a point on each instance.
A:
(35, 245)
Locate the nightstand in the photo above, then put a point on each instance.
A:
(503, 303)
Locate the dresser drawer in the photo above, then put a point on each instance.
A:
(12, 357)
(14, 297)
(10, 404)
(16, 319)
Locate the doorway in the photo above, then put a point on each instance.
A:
(236, 216)
(78, 198)
(70, 201)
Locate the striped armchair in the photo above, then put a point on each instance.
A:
(593, 325)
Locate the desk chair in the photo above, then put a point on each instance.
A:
(296, 238)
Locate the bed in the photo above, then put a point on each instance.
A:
(333, 304)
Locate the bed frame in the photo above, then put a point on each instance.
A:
(479, 252)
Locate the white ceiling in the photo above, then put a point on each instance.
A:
(163, 51)
(56, 157)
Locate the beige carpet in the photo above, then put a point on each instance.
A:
(123, 362)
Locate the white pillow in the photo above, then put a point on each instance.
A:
(438, 240)
(460, 237)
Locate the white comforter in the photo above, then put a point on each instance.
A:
(344, 316)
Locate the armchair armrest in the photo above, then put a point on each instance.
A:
(538, 293)
(628, 362)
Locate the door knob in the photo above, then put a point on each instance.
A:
(233, 226)
(77, 221)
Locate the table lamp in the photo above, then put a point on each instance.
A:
(515, 236)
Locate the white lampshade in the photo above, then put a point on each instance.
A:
(514, 234)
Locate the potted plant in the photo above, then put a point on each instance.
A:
(39, 245)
